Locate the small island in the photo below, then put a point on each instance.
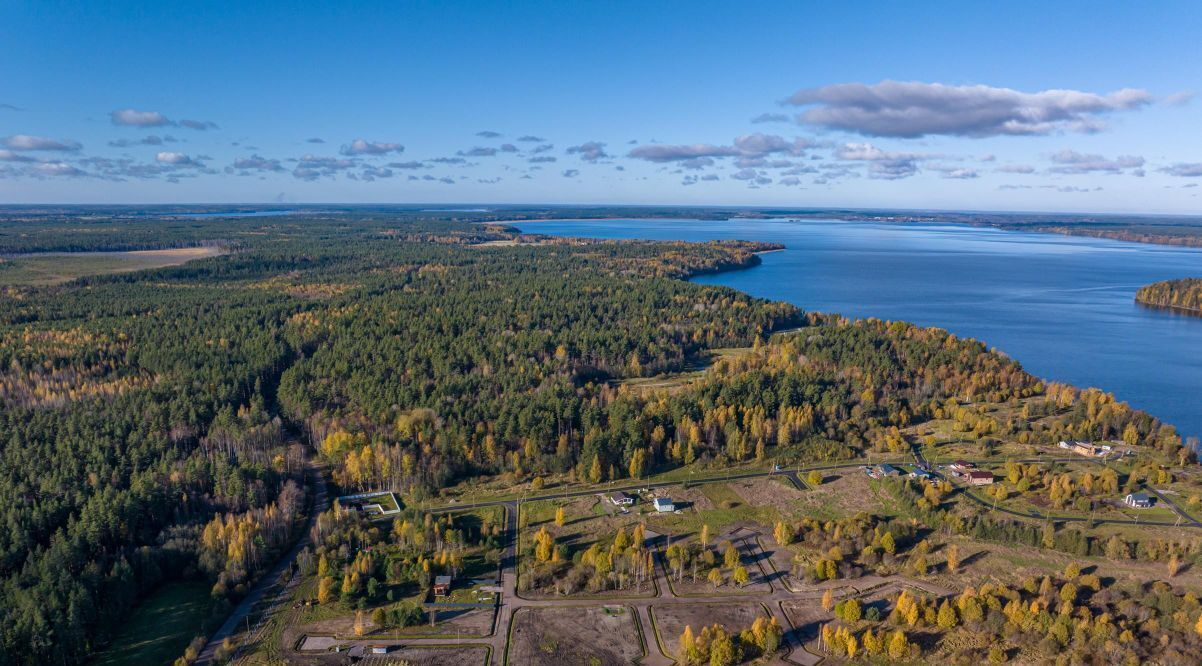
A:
(1184, 295)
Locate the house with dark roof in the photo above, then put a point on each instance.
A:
(1138, 500)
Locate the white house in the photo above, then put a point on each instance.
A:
(663, 505)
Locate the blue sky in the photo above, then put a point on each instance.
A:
(1067, 107)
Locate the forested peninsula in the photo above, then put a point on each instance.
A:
(1184, 295)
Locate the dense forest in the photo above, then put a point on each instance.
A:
(158, 425)
(153, 422)
(1183, 294)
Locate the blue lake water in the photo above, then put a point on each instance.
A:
(1062, 306)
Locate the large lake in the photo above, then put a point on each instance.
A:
(1062, 306)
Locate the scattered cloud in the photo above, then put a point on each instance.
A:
(449, 160)
(364, 147)
(882, 165)
(1179, 98)
(135, 118)
(954, 172)
(10, 156)
(771, 118)
(29, 142)
(530, 138)
(256, 163)
(571, 173)
(477, 152)
(176, 159)
(1015, 168)
(148, 140)
(915, 109)
(1184, 170)
(414, 164)
(508, 148)
(540, 159)
(56, 168)
(372, 173)
(661, 153)
(488, 134)
(315, 139)
(201, 125)
(312, 167)
(589, 151)
(1072, 162)
(752, 151)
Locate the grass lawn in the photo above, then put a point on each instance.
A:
(160, 627)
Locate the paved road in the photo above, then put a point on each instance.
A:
(269, 578)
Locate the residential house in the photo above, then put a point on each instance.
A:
(979, 478)
(663, 505)
(1138, 500)
(442, 586)
(621, 499)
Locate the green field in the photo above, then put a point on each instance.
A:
(55, 268)
(160, 628)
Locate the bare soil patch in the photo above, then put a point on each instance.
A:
(770, 492)
(601, 635)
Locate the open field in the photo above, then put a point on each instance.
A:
(55, 268)
(596, 635)
(160, 628)
(675, 381)
(843, 493)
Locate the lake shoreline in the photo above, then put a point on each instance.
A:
(1017, 291)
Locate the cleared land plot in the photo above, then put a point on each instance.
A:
(671, 619)
(160, 628)
(473, 622)
(54, 268)
(432, 656)
(597, 635)
(844, 493)
(674, 381)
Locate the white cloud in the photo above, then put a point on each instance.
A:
(1072, 162)
(28, 142)
(916, 109)
(135, 118)
(364, 147)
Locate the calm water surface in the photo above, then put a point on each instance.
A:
(1062, 306)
